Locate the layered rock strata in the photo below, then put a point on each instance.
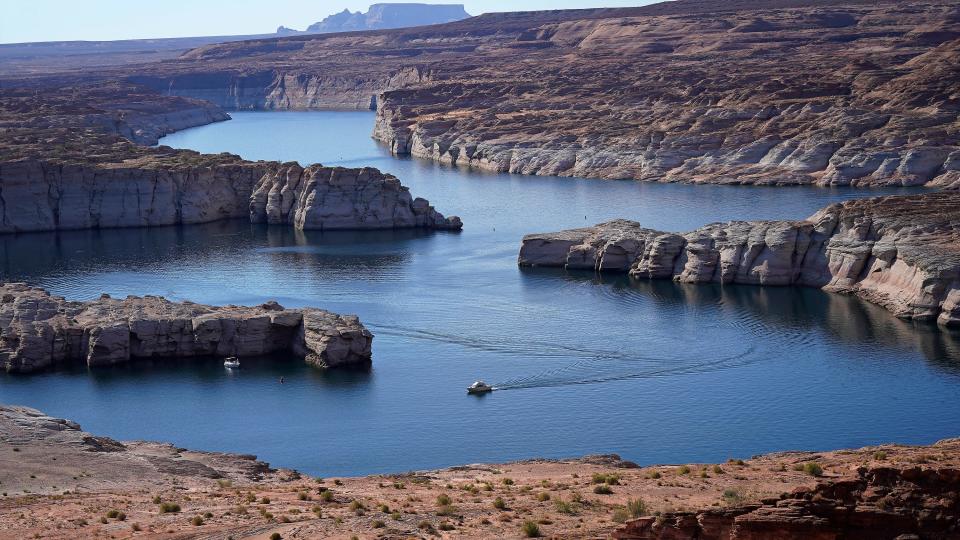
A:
(880, 502)
(850, 94)
(67, 162)
(901, 252)
(39, 331)
(41, 196)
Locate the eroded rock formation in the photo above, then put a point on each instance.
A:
(902, 252)
(850, 94)
(40, 331)
(881, 502)
(68, 163)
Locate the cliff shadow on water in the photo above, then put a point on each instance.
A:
(775, 321)
(137, 252)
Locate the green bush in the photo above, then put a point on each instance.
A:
(543, 496)
(443, 500)
(530, 529)
(499, 503)
(326, 496)
(169, 508)
(637, 507)
(811, 467)
(683, 469)
(602, 489)
(275, 536)
(620, 515)
(197, 521)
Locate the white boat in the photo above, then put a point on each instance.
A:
(479, 387)
(231, 362)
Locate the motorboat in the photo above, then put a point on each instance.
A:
(479, 387)
(231, 362)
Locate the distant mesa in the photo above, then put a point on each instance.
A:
(384, 16)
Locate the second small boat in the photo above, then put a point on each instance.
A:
(231, 362)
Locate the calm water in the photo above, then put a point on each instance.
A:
(657, 371)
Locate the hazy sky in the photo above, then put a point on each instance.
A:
(56, 20)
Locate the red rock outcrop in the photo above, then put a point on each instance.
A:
(882, 502)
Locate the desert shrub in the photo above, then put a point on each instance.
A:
(197, 521)
(326, 496)
(443, 499)
(275, 536)
(620, 515)
(543, 497)
(530, 529)
(378, 524)
(717, 469)
(446, 526)
(169, 508)
(564, 507)
(113, 514)
(732, 497)
(637, 507)
(879, 455)
(683, 469)
(606, 478)
(811, 467)
(507, 481)
(499, 503)
(602, 489)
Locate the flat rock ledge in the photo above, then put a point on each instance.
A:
(39, 331)
(901, 252)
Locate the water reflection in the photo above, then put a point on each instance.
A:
(793, 313)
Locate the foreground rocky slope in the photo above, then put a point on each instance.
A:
(66, 162)
(61, 482)
(882, 502)
(902, 252)
(39, 331)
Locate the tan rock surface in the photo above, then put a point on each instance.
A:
(902, 252)
(39, 331)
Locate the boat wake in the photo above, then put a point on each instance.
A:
(588, 365)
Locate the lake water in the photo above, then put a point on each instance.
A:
(656, 371)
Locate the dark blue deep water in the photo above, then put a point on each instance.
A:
(657, 371)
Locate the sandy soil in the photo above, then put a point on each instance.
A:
(61, 485)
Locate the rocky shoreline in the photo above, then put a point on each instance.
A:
(900, 252)
(70, 164)
(39, 331)
(58, 481)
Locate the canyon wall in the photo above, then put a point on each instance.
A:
(39, 331)
(853, 95)
(40, 195)
(901, 252)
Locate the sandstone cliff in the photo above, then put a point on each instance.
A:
(902, 252)
(850, 95)
(39, 331)
(37, 195)
(68, 163)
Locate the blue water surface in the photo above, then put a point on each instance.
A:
(656, 371)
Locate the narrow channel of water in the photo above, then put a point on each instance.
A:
(657, 371)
